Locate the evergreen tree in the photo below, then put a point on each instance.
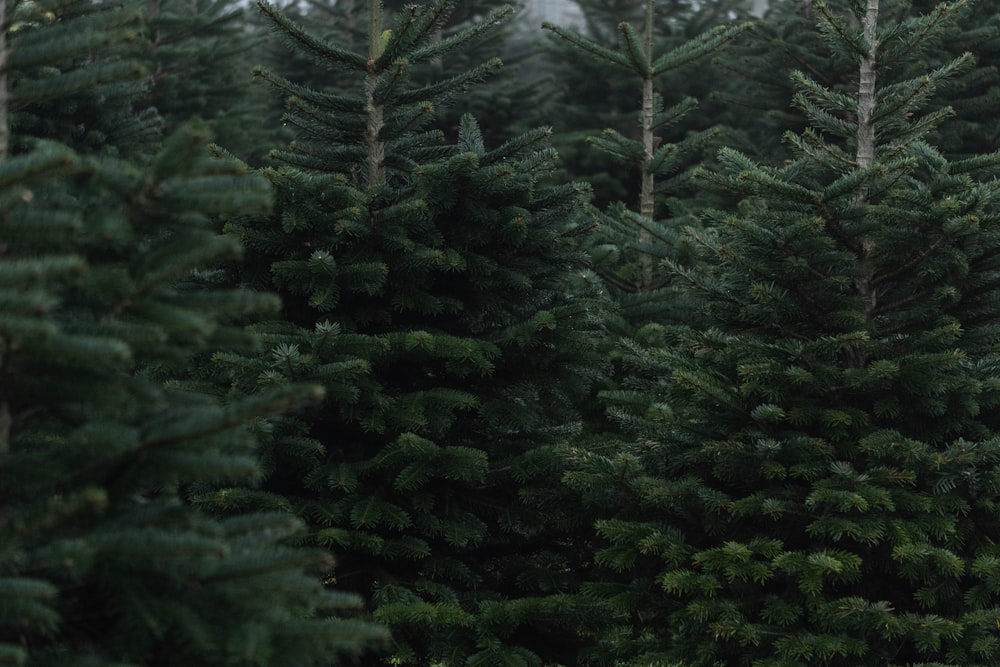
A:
(974, 94)
(103, 558)
(815, 479)
(59, 88)
(635, 240)
(198, 59)
(433, 288)
(591, 95)
(760, 88)
(788, 40)
(503, 100)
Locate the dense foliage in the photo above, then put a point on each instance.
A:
(390, 387)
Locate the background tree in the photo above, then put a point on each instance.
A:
(589, 95)
(503, 101)
(636, 237)
(201, 56)
(103, 559)
(788, 40)
(814, 479)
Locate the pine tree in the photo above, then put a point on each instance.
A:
(198, 59)
(59, 90)
(432, 287)
(637, 238)
(591, 94)
(788, 40)
(493, 100)
(758, 71)
(974, 94)
(815, 479)
(103, 558)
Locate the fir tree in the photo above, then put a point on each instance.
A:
(103, 558)
(638, 238)
(815, 480)
(198, 59)
(758, 71)
(73, 75)
(788, 40)
(432, 287)
(345, 23)
(974, 95)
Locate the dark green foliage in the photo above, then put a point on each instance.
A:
(596, 95)
(74, 74)
(789, 39)
(435, 289)
(200, 60)
(814, 480)
(103, 560)
(758, 70)
(634, 241)
(502, 102)
(974, 95)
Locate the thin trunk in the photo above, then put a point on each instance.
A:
(647, 199)
(866, 89)
(865, 156)
(4, 94)
(375, 145)
(5, 416)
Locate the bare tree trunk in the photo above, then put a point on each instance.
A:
(866, 89)
(5, 416)
(4, 94)
(647, 195)
(864, 158)
(376, 121)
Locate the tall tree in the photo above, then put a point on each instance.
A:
(638, 237)
(104, 560)
(432, 287)
(815, 479)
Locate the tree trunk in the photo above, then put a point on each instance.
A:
(647, 194)
(866, 89)
(4, 94)
(864, 158)
(375, 145)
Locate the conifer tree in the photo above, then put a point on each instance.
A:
(55, 93)
(974, 94)
(431, 286)
(103, 558)
(788, 40)
(200, 61)
(638, 238)
(591, 94)
(815, 479)
(346, 23)
(758, 71)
